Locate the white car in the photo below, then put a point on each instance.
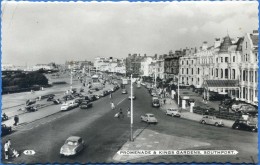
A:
(149, 118)
(72, 146)
(129, 97)
(68, 105)
(173, 112)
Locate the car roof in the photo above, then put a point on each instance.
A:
(149, 114)
(74, 138)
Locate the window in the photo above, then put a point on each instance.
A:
(212, 72)
(217, 60)
(182, 62)
(244, 75)
(226, 59)
(234, 58)
(221, 72)
(198, 70)
(221, 59)
(226, 73)
(187, 62)
(187, 71)
(256, 76)
(191, 61)
(182, 71)
(198, 81)
(246, 45)
(233, 73)
(216, 72)
(246, 57)
(191, 71)
(192, 80)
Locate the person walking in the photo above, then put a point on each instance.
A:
(112, 105)
(128, 112)
(16, 120)
(164, 101)
(6, 148)
(121, 115)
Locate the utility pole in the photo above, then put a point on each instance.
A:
(131, 121)
(178, 90)
(71, 79)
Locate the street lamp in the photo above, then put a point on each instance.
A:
(71, 78)
(131, 112)
(178, 90)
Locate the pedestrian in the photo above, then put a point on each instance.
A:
(110, 96)
(6, 148)
(164, 101)
(121, 115)
(112, 105)
(16, 120)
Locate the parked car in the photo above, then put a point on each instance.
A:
(173, 112)
(124, 91)
(86, 104)
(79, 101)
(69, 105)
(68, 97)
(212, 120)
(155, 102)
(245, 125)
(149, 118)
(129, 97)
(6, 130)
(72, 146)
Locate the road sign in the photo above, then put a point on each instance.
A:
(29, 152)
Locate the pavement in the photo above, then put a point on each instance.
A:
(146, 139)
(186, 114)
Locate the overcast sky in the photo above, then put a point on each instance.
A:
(55, 32)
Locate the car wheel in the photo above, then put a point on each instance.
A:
(237, 127)
(203, 122)
(216, 124)
(253, 129)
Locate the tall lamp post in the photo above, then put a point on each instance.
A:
(71, 78)
(178, 90)
(131, 112)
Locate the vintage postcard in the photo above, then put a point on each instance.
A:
(129, 82)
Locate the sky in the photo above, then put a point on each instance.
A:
(41, 32)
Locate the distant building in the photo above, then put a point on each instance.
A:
(133, 64)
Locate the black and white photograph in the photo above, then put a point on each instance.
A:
(129, 82)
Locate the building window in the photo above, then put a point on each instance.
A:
(182, 62)
(256, 76)
(233, 73)
(182, 70)
(217, 60)
(187, 62)
(191, 71)
(187, 71)
(192, 80)
(226, 73)
(246, 57)
(246, 45)
(191, 61)
(212, 71)
(198, 70)
(234, 58)
(216, 72)
(198, 81)
(221, 73)
(221, 59)
(226, 59)
(244, 75)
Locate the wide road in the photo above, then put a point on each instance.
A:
(105, 134)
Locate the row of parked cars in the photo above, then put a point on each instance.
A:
(84, 101)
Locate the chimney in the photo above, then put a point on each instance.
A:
(205, 45)
(217, 42)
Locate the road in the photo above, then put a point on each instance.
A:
(105, 134)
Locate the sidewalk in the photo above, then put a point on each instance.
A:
(187, 114)
(151, 140)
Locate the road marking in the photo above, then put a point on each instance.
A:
(121, 101)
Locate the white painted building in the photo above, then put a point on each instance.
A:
(145, 65)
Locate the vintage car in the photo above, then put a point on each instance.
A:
(245, 125)
(124, 91)
(211, 120)
(85, 105)
(6, 130)
(129, 97)
(155, 102)
(149, 118)
(72, 146)
(69, 105)
(173, 112)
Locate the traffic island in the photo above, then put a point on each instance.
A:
(152, 140)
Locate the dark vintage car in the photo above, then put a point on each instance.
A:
(6, 130)
(72, 146)
(85, 105)
(79, 101)
(245, 125)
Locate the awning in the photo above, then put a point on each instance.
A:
(221, 84)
